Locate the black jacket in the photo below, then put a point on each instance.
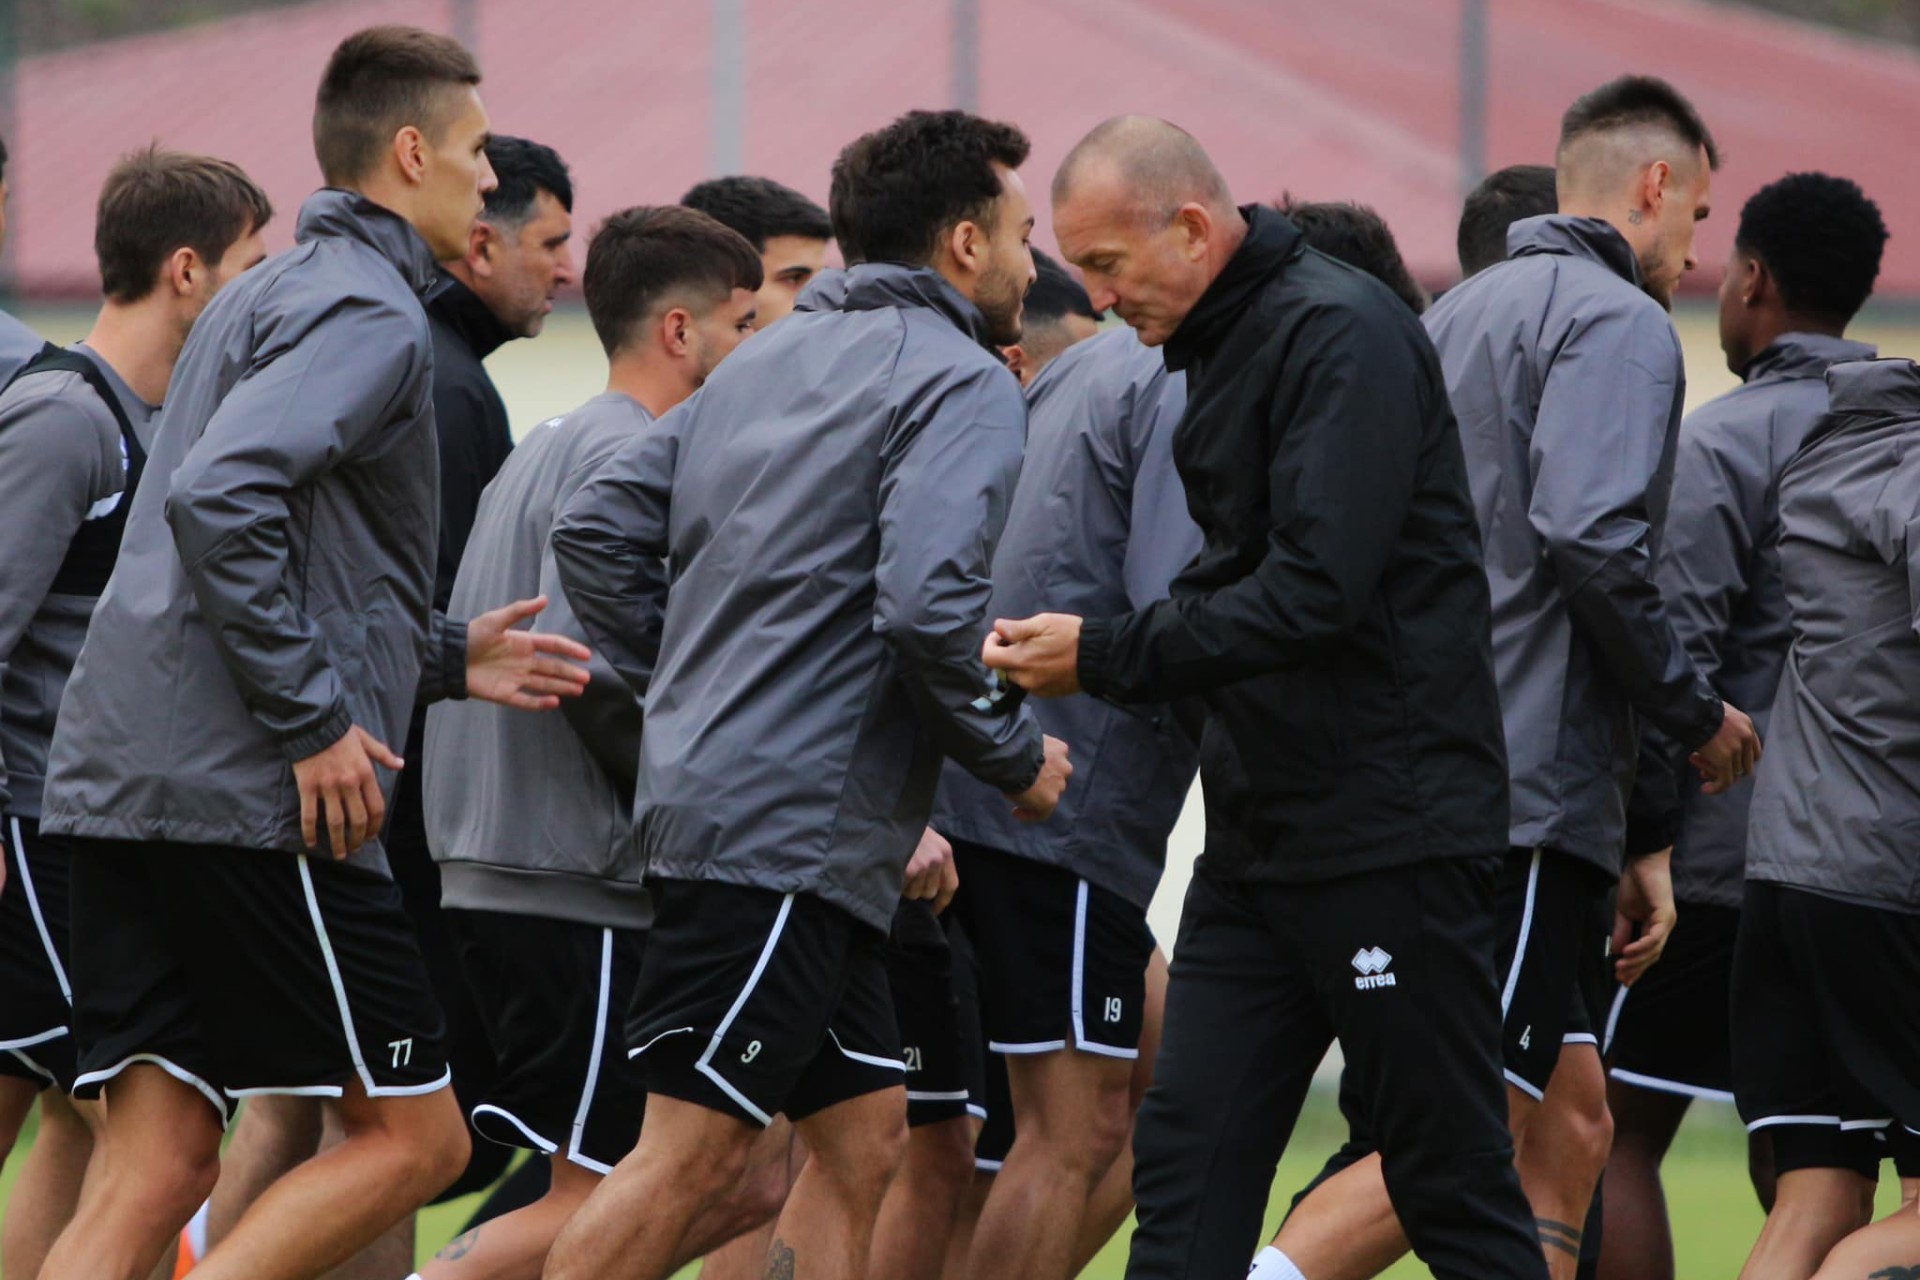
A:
(470, 419)
(1336, 621)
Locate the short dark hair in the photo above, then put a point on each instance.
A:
(377, 82)
(1820, 237)
(1359, 237)
(1637, 100)
(1502, 199)
(641, 257)
(759, 209)
(896, 189)
(155, 202)
(524, 169)
(1055, 294)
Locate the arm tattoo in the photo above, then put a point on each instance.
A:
(779, 1260)
(459, 1247)
(1558, 1235)
(1898, 1273)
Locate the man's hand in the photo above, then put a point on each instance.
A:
(1645, 900)
(1036, 803)
(1041, 654)
(931, 874)
(525, 669)
(1730, 754)
(339, 786)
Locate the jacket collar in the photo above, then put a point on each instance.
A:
(1876, 388)
(1803, 355)
(460, 309)
(877, 286)
(1272, 241)
(1588, 238)
(348, 215)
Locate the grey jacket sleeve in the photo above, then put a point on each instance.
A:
(1594, 456)
(609, 548)
(1161, 536)
(309, 402)
(49, 471)
(607, 716)
(443, 673)
(947, 471)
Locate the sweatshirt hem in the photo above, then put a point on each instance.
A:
(479, 886)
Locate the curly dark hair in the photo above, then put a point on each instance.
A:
(1821, 239)
(1359, 237)
(759, 209)
(896, 189)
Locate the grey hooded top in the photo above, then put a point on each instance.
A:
(1566, 378)
(62, 464)
(276, 580)
(1836, 802)
(1098, 526)
(828, 504)
(532, 814)
(1719, 569)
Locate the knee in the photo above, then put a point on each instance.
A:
(425, 1139)
(162, 1182)
(864, 1165)
(943, 1153)
(1590, 1132)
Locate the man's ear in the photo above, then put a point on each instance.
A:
(483, 244)
(409, 149)
(184, 272)
(967, 244)
(1653, 186)
(1196, 227)
(676, 331)
(1016, 358)
(1757, 285)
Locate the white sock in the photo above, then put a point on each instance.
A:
(1271, 1264)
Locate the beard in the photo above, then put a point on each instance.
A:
(1002, 300)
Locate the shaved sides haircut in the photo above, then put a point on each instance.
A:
(1625, 124)
(378, 82)
(647, 258)
(1161, 162)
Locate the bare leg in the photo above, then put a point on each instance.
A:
(390, 1256)
(1637, 1239)
(1813, 1211)
(515, 1245)
(635, 1224)
(272, 1135)
(48, 1192)
(396, 1154)
(918, 1216)
(1889, 1248)
(1112, 1200)
(157, 1161)
(1563, 1153)
(16, 1100)
(778, 1155)
(960, 1245)
(826, 1230)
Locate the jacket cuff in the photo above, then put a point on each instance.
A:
(311, 742)
(1096, 647)
(1712, 711)
(453, 662)
(1651, 835)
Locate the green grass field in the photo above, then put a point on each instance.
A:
(1715, 1216)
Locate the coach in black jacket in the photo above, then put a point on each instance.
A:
(1336, 624)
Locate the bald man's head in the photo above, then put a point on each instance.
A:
(1139, 207)
(1159, 165)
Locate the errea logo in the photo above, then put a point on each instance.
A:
(1372, 964)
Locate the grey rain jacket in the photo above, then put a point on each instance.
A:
(276, 582)
(1098, 526)
(1567, 381)
(62, 464)
(828, 504)
(18, 344)
(532, 813)
(1836, 802)
(1719, 570)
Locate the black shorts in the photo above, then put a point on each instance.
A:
(1669, 1031)
(1826, 1030)
(996, 1135)
(938, 1021)
(752, 1002)
(245, 971)
(553, 995)
(1554, 932)
(36, 1001)
(1063, 962)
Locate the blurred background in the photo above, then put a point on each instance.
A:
(1399, 104)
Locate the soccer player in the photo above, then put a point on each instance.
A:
(1335, 623)
(1503, 198)
(828, 504)
(1803, 263)
(1058, 315)
(18, 344)
(787, 230)
(266, 632)
(1825, 1041)
(543, 897)
(1566, 373)
(171, 229)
